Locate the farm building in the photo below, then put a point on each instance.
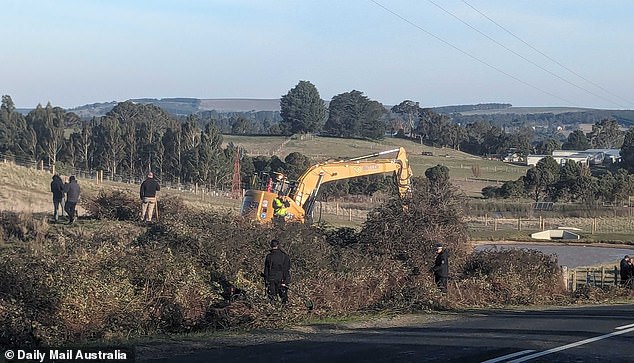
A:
(588, 157)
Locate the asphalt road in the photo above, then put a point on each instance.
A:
(579, 334)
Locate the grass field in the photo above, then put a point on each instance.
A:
(28, 190)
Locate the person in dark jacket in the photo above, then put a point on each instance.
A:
(72, 191)
(57, 188)
(149, 187)
(625, 269)
(277, 274)
(441, 268)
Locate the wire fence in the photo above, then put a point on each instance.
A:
(99, 175)
(592, 225)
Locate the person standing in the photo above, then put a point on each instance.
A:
(626, 269)
(277, 274)
(72, 191)
(57, 188)
(149, 187)
(441, 268)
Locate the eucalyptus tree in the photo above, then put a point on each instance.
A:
(410, 111)
(577, 140)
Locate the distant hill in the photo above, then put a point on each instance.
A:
(186, 106)
(498, 113)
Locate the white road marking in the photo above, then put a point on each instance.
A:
(509, 356)
(624, 327)
(571, 345)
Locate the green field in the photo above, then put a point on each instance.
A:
(325, 148)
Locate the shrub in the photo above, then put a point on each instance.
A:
(113, 204)
(516, 277)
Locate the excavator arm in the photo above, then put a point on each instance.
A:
(258, 203)
(309, 183)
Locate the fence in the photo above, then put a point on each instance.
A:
(583, 224)
(591, 276)
(100, 175)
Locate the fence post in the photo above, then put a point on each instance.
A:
(486, 219)
(495, 224)
(564, 271)
(574, 280)
(350, 215)
(602, 276)
(616, 276)
(519, 223)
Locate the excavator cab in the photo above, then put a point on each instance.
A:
(265, 187)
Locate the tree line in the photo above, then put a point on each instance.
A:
(569, 182)
(133, 138)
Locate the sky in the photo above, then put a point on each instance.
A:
(572, 53)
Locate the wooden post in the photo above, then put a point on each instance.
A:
(486, 219)
(616, 276)
(594, 225)
(196, 189)
(495, 224)
(574, 280)
(350, 214)
(564, 271)
(602, 276)
(519, 223)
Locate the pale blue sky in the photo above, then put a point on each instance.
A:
(73, 52)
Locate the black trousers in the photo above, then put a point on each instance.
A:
(441, 282)
(274, 289)
(69, 207)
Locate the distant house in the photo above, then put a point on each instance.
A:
(587, 157)
(532, 160)
(512, 157)
(613, 155)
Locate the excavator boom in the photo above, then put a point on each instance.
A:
(259, 203)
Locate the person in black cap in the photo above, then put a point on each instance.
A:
(441, 268)
(277, 274)
(626, 269)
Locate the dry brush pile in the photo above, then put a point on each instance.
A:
(120, 279)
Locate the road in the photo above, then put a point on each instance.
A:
(579, 334)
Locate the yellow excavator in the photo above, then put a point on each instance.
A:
(300, 196)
